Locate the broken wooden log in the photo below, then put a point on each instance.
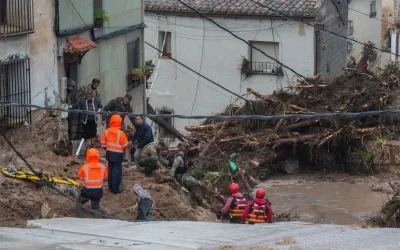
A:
(165, 125)
(208, 146)
(298, 108)
(212, 192)
(300, 124)
(210, 127)
(367, 130)
(263, 162)
(259, 96)
(244, 137)
(302, 138)
(310, 86)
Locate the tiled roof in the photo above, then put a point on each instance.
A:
(79, 45)
(240, 7)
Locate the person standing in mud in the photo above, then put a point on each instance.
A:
(257, 210)
(120, 104)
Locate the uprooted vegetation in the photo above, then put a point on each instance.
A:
(389, 216)
(322, 143)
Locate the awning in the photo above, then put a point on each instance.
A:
(79, 45)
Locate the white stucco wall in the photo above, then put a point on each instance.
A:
(365, 28)
(217, 55)
(41, 47)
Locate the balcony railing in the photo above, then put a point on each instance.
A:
(15, 87)
(16, 17)
(266, 68)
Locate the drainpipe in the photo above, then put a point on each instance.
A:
(143, 62)
(397, 45)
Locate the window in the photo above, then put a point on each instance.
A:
(166, 49)
(97, 4)
(163, 132)
(372, 7)
(133, 56)
(14, 87)
(350, 28)
(16, 17)
(3, 11)
(262, 65)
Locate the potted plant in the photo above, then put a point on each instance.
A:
(100, 16)
(148, 68)
(137, 73)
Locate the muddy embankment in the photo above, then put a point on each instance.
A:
(22, 200)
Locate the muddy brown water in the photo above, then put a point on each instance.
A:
(326, 202)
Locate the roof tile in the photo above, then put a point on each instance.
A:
(286, 7)
(79, 45)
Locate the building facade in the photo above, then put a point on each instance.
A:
(365, 24)
(28, 70)
(108, 52)
(201, 45)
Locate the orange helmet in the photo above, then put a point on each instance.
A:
(260, 193)
(234, 188)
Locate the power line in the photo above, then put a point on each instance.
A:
(233, 34)
(208, 79)
(78, 13)
(316, 27)
(368, 15)
(236, 117)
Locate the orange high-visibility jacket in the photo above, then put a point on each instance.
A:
(114, 139)
(93, 173)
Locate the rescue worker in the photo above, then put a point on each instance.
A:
(150, 159)
(258, 210)
(73, 118)
(115, 141)
(143, 136)
(120, 104)
(92, 175)
(179, 174)
(235, 204)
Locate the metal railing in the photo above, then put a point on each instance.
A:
(266, 68)
(15, 87)
(130, 83)
(16, 16)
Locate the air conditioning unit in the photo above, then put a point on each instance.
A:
(350, 45)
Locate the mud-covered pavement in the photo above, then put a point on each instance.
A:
(329, 199)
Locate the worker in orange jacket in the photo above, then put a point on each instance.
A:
(115, 141)
(92, 175)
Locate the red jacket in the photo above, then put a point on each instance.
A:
(227, 207)
(260, 202)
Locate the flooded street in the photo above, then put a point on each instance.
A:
(344, 201)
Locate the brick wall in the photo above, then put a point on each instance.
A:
(331, 49)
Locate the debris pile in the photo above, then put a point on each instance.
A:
(265, 146)
(389, 216)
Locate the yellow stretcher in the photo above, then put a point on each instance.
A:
(25, 175)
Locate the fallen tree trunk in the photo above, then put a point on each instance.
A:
(260, 163)
(300, 124)
(165, 125)
(244, 137)
(302, 138)
(309, 86)
(295, 107)
(259, 96)
(210, 127)
(212, 192)
(208, 146)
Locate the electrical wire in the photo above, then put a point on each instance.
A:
(198, 79)
(368, 15)
(316, 27)
(233, 34)
(347, 115)
(78, 13)
(208, 79)
(45, 182)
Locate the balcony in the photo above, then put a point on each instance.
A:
(16, 17)
(266, 68)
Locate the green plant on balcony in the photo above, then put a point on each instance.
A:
(148, 68)
(100, 16)
(245, 68)
(137, 73)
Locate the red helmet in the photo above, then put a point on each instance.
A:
(260, 193)
(234, 188)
